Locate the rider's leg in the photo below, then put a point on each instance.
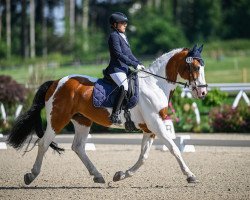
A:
(120, 79)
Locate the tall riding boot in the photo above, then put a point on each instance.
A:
(114, 118)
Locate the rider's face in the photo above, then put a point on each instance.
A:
(121, 26)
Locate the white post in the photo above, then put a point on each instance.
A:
(90, 146)
(2, 144)
(18, 110)
(197, 112)
(238, 97)
(180, 142)
(3, 112)
(245, 97)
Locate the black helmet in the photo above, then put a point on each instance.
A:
(117, 17)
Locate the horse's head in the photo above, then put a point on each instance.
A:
(191, 68)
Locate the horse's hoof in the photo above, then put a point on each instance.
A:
(192, 179)
(27, 178)
(118, 176)
(99, 179)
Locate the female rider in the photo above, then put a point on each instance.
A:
(121, 58)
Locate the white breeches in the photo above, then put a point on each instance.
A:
(120, 78)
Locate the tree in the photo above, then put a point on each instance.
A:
(32, 29)
(201, 20)
(8, 27)
(24, 32)
(1, 11)
(44, 30)
(85, 21)
(157, 35)
(236, 17)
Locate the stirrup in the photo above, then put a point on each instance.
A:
(115, 119)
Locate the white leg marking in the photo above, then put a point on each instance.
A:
(43, 146)
(156, 125)
(146, 144)
(160, 130)
(78, 146)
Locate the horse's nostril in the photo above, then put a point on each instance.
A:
(203, 93)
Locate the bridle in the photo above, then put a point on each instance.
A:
(189, 61)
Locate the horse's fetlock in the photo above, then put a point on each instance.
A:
(35, 171)
(129, 173)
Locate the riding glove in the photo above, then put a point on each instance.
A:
(140, 67)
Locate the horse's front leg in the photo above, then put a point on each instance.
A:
(146, 144)
(158, 127)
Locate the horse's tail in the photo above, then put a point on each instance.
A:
(31, 121)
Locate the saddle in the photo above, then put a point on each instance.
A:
(105, 94)
(106, 91)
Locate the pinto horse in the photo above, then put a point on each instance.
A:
(71, 99)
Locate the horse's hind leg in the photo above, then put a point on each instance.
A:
(146, 144)
(43, 146)
(78, 146)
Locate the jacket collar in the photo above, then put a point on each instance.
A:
(126, 42)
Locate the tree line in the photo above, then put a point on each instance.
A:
(37, 28)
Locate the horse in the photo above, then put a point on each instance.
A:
(70, 99)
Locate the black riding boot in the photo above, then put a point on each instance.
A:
(114, 117)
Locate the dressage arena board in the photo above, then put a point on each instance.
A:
(223, 172)
(2, 144)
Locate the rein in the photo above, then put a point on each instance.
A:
(178, 82)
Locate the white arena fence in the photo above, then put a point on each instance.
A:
(182, 141)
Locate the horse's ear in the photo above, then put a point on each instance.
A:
(194, 48)
(200, 48)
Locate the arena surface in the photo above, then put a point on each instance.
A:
(223, 172)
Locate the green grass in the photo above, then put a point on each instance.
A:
(228, 70)
(223, 70)
(23, 74)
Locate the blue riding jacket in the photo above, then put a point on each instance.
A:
(121, 56)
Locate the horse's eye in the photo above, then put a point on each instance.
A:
(198, 69)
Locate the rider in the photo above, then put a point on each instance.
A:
(121, 58)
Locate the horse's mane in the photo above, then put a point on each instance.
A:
(162, 60)
(165, 57)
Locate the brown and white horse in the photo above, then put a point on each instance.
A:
(70, 99)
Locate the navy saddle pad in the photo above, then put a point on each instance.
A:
(105, 92)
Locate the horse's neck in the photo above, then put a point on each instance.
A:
(159, 68)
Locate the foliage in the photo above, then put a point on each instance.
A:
(157, 36)
(11, 94)
(10, 91)
(201, 20)
(227, 119)
(185, 113)
(159, 25)
(215, 98)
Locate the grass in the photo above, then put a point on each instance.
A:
(223, 70)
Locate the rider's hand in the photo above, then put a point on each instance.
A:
(140, 67)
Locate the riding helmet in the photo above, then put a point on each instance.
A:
(117, 17)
